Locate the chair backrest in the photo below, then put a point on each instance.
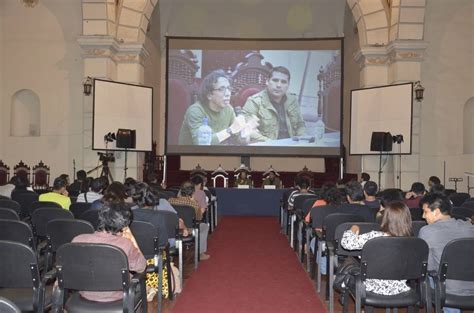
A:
(10, 204)
(41, 173)
(22, 170)
(468, 204)
(187, 214)
(333, 220)
(416, 214)
(395, 258)
(458, 198)
(363, 228)
(8, 214)
(62, 231)
(6, 306)
(44, 204)
(301, 200)
(25, 199)
(4, 173)
(92, 216)
(19, 266)
(42, 216)
(416, 226)
(78, 208)
(456, 260)
(146, 236)
(171, 220)
(17, 231)
(106, 270)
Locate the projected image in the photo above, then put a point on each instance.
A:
(248, 99)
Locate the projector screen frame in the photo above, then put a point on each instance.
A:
(376, 153)
(93, 117)
(264, 151)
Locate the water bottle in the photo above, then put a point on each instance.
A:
(320, 129)
(204, 133)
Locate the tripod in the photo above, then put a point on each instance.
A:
(105, 172)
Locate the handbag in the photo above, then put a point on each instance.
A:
(346, 273)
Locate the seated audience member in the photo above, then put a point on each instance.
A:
(6, 190)
(413, 197)
(329, 197)
(129, 184)
(66, 178)
(370, 190)
(396, 222)
(364, 178)
(97, 186)
(144, 211)
(433, 180)
(199, 195)
(438, 188)
(186, 198)
(79, 185)
(355, 205)
(441, 229)
(114, 193)
(302, 188)
(113, 229)
(58, 195)
(22, 186)
(242, 177)
(153, 181)
(386, 197)
(272, 179)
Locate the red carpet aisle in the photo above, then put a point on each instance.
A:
(252, 269)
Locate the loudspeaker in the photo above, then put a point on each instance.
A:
(126, 138)
(381, 141)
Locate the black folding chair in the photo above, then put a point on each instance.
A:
(188, 215)
(92, 216)
(42, 216)
(416, 214)
(462, 212)
(458, 198)
(10, 204)
(416, 226)
(20, 279)
(43, 204)
(392, 258)
(106, 270)
(61, 231)
(79, 208)
(455, 264)
(17, 231)
(8, 214)
(146, 236)
(25, 200)
(468, 204)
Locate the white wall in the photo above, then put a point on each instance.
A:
(38, 51)
(447, 75)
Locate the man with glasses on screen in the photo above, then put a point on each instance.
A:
(212, 109)
(277, 111)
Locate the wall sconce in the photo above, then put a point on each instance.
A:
(419, 90)
(87, 84)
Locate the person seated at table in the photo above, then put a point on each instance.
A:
(271, 179)
(396, 221)
(243, 176)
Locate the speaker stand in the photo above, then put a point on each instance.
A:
(380, 169)
(125, 168)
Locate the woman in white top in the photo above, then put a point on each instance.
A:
(396, 221)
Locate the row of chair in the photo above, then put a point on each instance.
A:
(40, 174)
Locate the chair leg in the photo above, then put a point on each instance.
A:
(159, 263)
(143, 296)
(395, 310)
(387, 310)
(330, 283)
(196, 248)
(369, 309)
(318, 267)
(179, 245)
(215, 213)
(308, 249)
(357, 301)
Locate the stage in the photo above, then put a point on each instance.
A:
(256, 201)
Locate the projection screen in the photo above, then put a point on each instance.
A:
(381, 109)
(122, 106)
(296, 111)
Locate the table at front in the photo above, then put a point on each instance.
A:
(257, 201)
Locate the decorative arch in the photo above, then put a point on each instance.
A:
(372, 19)
(468, 127)
(25, 114)
(133, 17)
(99, 17)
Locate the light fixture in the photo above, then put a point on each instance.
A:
(87, 84)
(30, 3)
(419, 90)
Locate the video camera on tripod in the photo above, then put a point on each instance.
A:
(106, 157)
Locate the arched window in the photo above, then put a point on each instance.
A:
(468, 127)
(25, 114)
